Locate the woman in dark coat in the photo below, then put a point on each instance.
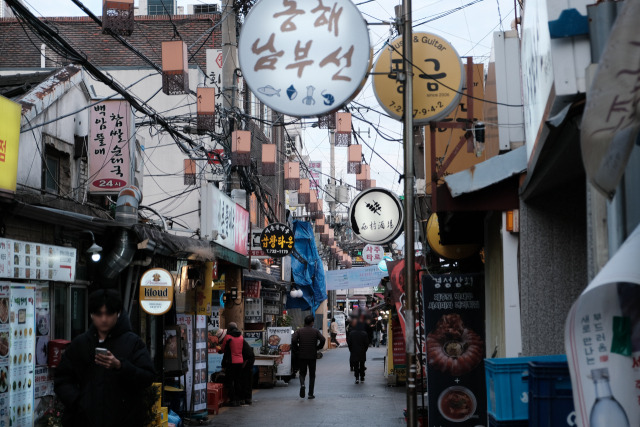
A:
(358, 342)
(104, 390)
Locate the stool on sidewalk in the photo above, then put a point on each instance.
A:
(216, 397)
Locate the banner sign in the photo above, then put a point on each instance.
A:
(253, 311)
(315, 180)
(26, 260)
(341, 337)
(224, 221)
(602, 339)
(372, 254)
(399, 349)
(254, 339)
(10, 116)
(454, 318)
(376, 216)
(280, 339)
(304, 58)
(351, 278)
(111, 143)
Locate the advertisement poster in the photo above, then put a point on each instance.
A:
(201, 373)
(4, 353)
(454, 318)
(253, 311)
(280, 339)
(254, 338)
(22, 347)
(187, 320)
(25, 260)
(214, 359)
(342, 331)
(602, 340)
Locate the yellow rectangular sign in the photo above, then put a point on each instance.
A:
(10, 115)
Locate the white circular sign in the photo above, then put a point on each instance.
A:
(376, 216)
(156, 291)
(304, 58)
(372, 254)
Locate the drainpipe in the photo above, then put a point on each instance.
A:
(126, 212)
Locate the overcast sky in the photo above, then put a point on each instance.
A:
(469, 30)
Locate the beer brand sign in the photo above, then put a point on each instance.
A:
(156, 291)
(304, 58)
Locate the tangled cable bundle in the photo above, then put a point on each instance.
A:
(452, 348)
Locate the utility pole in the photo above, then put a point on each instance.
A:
(332, 208)
(409, 245)
(229, 87)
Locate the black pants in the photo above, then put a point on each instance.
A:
(333, 338)
(359, 369)
(234, 381)
(311, 364)
(247, 381)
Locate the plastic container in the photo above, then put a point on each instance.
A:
(518, 423)
(507, 390)
(550, 394)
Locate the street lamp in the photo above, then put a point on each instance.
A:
(94, 249)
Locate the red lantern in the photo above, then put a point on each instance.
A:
(319, 225)
(313, 203)
(175, 68)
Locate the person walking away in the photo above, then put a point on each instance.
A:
(233, 362)
(358, 342)
(333, 331)
(307, 341)
(378, 332)
(104, 388)
(350, 328)
(249, 358)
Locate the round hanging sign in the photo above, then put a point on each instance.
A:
(156, 291)
(372, 254)
(304, 58)
(277, 240)
(376, 216)
(438, 77)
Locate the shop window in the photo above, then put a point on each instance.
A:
(70, 317)
(51, 173)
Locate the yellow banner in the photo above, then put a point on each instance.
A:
(10, 115)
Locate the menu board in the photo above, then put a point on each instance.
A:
(197, 362)
(4, 353)
(22, 337)
(454, 318)
(280, 339)
(26, 260)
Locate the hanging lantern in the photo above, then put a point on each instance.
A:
(327, 121)
(241, 148)
(269, 160)
(117, 17)
(332, 241)
(304, 191)
(343, 130)
(313, 203)
(319, 225)
(206, 108)
(355, 159)
(320, 209)
(324, 236)
(291, 175)
(175, 68)
(363, 178)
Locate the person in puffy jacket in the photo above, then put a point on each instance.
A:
(306, 342)
(233, 361)
(358, 342)
(104, 390)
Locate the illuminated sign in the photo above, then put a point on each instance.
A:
(156, 291)
(438, 78)
(376, 216)
(304, 58)
(10, 115)
(277, 240)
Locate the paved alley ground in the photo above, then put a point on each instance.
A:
(338, 400)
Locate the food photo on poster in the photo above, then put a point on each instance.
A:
(454, 319)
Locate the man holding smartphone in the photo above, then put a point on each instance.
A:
(103, 372)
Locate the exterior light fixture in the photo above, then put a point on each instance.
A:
(94, 249)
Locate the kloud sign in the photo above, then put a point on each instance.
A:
(376, 216)
(438, 77)
(156, 291)
(304, 58)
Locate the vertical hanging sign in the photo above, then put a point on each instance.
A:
(110, 148)
(454, 319)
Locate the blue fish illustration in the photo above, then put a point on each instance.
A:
(328, 98)
(269, 90)
(308, 100)
(292, 92)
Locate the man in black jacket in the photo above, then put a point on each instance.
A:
(358, 342)
(307, 341)
(249, 359)
(104, 390)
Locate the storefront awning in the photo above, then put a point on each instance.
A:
(260, 275)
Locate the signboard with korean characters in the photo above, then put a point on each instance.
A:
(224, 221)
(253, 311)
(602, 339)
(376, 216)
(10, 116)
(35, 261)
(256, 251)
(304, 58)
(372, 254)
(111, 146)
(156, 291)
(277, 240)
(437, 80)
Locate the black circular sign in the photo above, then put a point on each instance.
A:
(277, 240)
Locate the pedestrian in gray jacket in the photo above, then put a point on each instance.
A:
(306, 342)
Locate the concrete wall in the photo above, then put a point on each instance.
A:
(553, 266)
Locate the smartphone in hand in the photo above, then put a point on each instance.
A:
(101, 351)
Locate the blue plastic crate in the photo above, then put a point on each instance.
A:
(550, 394)
(517, 423)
(507, 390)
